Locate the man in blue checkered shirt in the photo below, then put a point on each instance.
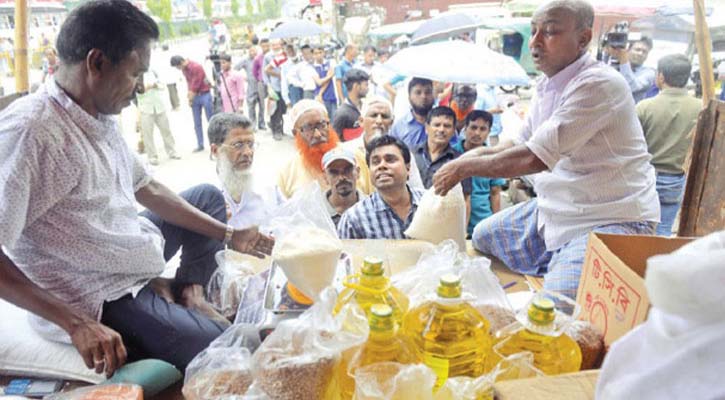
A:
(386, 213)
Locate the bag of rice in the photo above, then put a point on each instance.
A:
(440, 217)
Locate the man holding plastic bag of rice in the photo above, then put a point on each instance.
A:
(583, 138)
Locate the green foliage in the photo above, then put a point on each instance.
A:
(207, 7)
(250, 8)
(270, 9)
(160, 8)
(259, 6)
(235, 8)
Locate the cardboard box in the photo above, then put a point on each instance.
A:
(611, 289)
(576, 386)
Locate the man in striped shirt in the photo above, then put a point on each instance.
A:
(583, 140)
(388, 212)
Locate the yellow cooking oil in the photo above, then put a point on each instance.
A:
(449, 335)
(384, 344)
(553, 355)
(370, 287)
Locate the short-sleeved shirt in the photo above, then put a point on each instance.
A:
(346, 121)
(196, 78)
(67, 202)
(340, 72)
(329, 94)
(332, 211)
(667, 120)
(428, 167)
(480, 195)
(583, 126)
(153, 100)
(372, 218)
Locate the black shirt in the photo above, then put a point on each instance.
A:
(346, 117)
(428, 168)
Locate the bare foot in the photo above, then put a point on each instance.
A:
(192, 297)
(162, 287)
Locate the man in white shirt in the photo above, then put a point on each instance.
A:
(583, 136)
(79, 257)
(232, 145)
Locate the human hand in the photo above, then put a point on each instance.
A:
(100, 346)
(448, 176)
(250, 241)
(496, 110)
(620, 54)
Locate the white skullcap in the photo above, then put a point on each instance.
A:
(376, 99)
(303, 106)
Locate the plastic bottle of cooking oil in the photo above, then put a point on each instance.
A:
(384, 344)
(449, 335)
(552, 354)
(372, 287)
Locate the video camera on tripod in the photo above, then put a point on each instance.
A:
(220, 83)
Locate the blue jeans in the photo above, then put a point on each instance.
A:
(153, 328)
(512, 236)
(670, 188)
(331, 107)
(295, 94)
(201, 100)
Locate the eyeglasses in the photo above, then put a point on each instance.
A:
(310, 128)
(239, 146)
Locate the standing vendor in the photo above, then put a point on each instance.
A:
(78, 255)
(583, 138)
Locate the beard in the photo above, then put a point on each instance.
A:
(312, 155)
(424, 110)
(234, 181)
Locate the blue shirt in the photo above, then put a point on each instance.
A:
(480, 196)
(372, 218)
(639, 79)
(329, 94)
(340, 72)
(412, 132)
(487, 100)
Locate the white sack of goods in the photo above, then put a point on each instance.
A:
(308, 256)
(440, 217)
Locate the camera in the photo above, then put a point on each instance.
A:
(618, 36)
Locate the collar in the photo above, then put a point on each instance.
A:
(409, 118)
(98, 127)
(331, 209)
(449, 151)
(674, 91)
(560, 80)
(379, 205)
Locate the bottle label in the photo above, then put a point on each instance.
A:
(439, 366)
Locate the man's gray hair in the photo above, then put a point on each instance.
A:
(222, 123)
(582, 10)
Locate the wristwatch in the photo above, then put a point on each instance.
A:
(228, 235)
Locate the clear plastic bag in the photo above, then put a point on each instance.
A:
(115, 391)
(299, 359)
(307, 247)
(228, 282)
(223, 370)
(432, 209)
(480, 284)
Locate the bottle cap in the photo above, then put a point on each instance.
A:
(450, 286)
(542, 311)
(381, 317)
(372, 266)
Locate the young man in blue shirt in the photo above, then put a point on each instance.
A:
(485, 197)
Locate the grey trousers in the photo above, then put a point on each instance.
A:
(148, 121)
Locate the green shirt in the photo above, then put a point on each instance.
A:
(152, 101)
(667, 120)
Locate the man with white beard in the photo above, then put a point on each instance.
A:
(231, 136)
(376, 118)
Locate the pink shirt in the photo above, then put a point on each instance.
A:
(234, 91)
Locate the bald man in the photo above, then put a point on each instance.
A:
(583, 139)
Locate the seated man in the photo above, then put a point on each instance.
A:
(313, 138)
(341, 175)
(588, 148)
(375, 120)
(78, 255)
(485, 192)
(232, 145)
(388, 212)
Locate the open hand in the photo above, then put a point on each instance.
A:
(250, 241)
(448, 176)
(100, 346)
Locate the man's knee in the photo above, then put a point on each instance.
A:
(207, 198)
(193, 341)
(482, 235)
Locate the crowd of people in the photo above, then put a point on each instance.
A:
(78, 256)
